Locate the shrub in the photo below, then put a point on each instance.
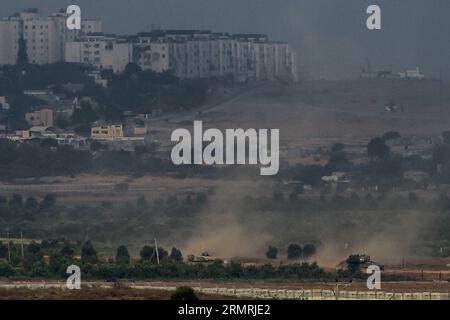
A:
(309, 250)
(272, 253)
(184, 293)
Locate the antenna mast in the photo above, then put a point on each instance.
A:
(9, 249)
(157, 254)
(21, 243)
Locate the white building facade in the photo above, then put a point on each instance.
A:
(45, 37)
(202, 54)
(99, 50)
(188, 54)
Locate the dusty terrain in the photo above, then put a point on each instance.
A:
(311, 116)
(318, 113)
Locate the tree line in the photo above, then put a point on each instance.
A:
(50, 259)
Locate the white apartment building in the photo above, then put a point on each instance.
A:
(187, 54)
(102, 51)
(201, 54)
(10, 31)
(45, 37)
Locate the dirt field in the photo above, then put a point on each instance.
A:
(347, 110)
(146, 292)
(88, 189)
(92, 294)
(310, 115)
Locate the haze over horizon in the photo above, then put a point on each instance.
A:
(330, 37)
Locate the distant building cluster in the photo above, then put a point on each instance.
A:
(186, 53)
(388, 74)
(45, 37)
(42, 124)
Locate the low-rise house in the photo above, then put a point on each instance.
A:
(98, 79)
(115, 132)
(38, 130)
(4, 105)
(412, 74)
(74, 141)
(135, 131)
(107, 132)
(19, 135)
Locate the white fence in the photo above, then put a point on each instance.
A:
(260, 293)
(313, 294)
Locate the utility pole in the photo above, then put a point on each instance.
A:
(157, 254)
(21, 244)
(9, 249)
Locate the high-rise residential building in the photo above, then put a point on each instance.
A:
(188, 54)
(10, 33)
(45, 37)
(99, 50)
(202, 54)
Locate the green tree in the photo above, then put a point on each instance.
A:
(6, 270)
(88, 253)
(31, 204)
(22, 55)
(338, 158)
(85, 114)
(147, 253)
(58, 264)
(122, 255)
(175, 255)
(67, 250)
(33, 255)
(48, 201)
(377, 149)
(309, 250)
(15, 201)
(272, 252)
(3, 251)
(294, 251)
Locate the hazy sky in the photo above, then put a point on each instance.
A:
(329, 36)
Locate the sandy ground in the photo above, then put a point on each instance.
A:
(319, 113)
(93, 294)
(147, 291)
(97, 188)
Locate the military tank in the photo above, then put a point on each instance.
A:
(205, 257)
(358, 261)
